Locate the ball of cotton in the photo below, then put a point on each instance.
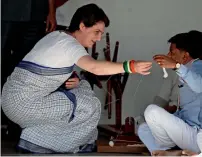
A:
(111, 143)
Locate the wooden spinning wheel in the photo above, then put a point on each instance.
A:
(116, 83)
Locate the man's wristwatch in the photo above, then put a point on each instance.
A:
(177, 66)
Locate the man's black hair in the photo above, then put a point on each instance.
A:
(190, 42)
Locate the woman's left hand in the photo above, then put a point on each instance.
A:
(72, 83)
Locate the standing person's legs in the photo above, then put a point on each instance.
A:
(32, 32)
(18, 38)
(167, 131)
(9, 36)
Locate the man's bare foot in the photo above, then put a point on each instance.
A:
(167, 153)
(188, 153)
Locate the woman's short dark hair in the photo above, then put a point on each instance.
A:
(89, 14)
(190, 42)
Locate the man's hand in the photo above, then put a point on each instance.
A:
(51, 23)
(51, 19)
(165, 61)
(142, 67)
(72, 83)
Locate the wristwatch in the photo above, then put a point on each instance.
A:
(177, 66)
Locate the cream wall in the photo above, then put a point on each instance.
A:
(143, 28)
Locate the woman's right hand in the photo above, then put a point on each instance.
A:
(72, 83)
(142, 67)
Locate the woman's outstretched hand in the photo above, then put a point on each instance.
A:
(142, 67)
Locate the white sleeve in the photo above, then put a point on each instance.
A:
(73, 51)
(78, 53)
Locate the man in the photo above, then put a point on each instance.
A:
(162, 130)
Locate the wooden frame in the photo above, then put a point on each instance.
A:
(116, 83)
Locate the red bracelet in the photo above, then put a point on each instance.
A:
(132, 66)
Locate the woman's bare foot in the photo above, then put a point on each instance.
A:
(167, 153)
(188, 153)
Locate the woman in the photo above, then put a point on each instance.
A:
(55, 119)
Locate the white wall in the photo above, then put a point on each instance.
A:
(143, 28)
